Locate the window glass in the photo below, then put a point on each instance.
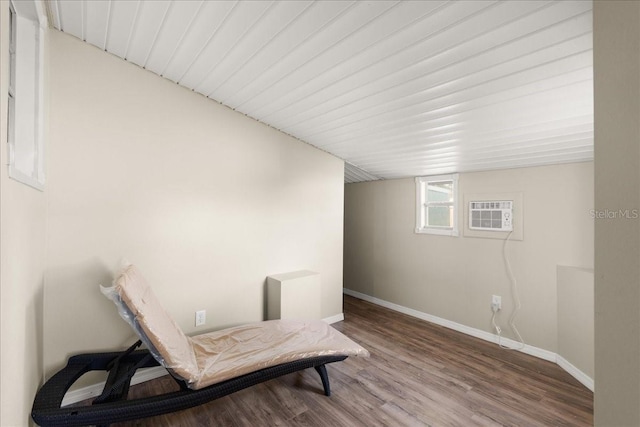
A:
(436, 205)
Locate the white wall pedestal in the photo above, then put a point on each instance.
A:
(294, 295)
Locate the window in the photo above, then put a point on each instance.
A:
(25, 112)
(437, 205)
(12, 75)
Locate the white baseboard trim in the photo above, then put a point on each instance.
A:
(484, 335)
(93, 390)
(334, 319)
(576, 373)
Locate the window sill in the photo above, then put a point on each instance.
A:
(438, 231)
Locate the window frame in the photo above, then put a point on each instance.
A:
(12, 80)
(422, 204)
(26, 94)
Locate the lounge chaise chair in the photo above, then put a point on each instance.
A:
(205, 366)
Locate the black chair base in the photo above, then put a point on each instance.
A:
(112, 406)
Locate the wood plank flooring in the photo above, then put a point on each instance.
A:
(419, 374)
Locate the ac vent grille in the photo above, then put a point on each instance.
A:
(491, 215)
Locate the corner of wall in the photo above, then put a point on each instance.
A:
(22, 252)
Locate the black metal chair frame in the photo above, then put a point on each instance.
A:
(112, 405)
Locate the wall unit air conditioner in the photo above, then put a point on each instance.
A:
(491, 215)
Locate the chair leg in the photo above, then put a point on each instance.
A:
(322, 370)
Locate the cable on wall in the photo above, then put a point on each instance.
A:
(516, 299)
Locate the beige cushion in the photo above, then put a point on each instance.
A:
(232, 352)
(221, 355)
(159, 328)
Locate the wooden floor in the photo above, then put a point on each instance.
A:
(419, 374)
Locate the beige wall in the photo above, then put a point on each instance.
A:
(22, 220)
(455, 277)
(617, 239)
(22, 246)
(205, 200)
(575, 317)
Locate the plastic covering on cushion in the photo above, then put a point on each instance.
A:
(217, 356)
(138, 305)
(232, 352)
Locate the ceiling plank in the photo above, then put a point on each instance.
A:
(394, 88)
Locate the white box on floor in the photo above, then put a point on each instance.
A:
(294, 295)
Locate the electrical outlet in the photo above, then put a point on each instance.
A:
(201, 317)
(496, 302)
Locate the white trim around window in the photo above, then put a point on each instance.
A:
(25, 125)
(427, 200)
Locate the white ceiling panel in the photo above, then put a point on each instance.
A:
(395, 88)
(391, 53)
(273, 22)
(441, 113)
(198, 34)
(70, 16)
(239, 23)
(285, 76)
(439, 72)
(285, 44)
(171, 35)
(150, 21)
(95, 26)
(120, 26)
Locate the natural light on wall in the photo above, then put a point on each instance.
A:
(26, 116)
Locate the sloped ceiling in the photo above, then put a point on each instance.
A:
(395, 88)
